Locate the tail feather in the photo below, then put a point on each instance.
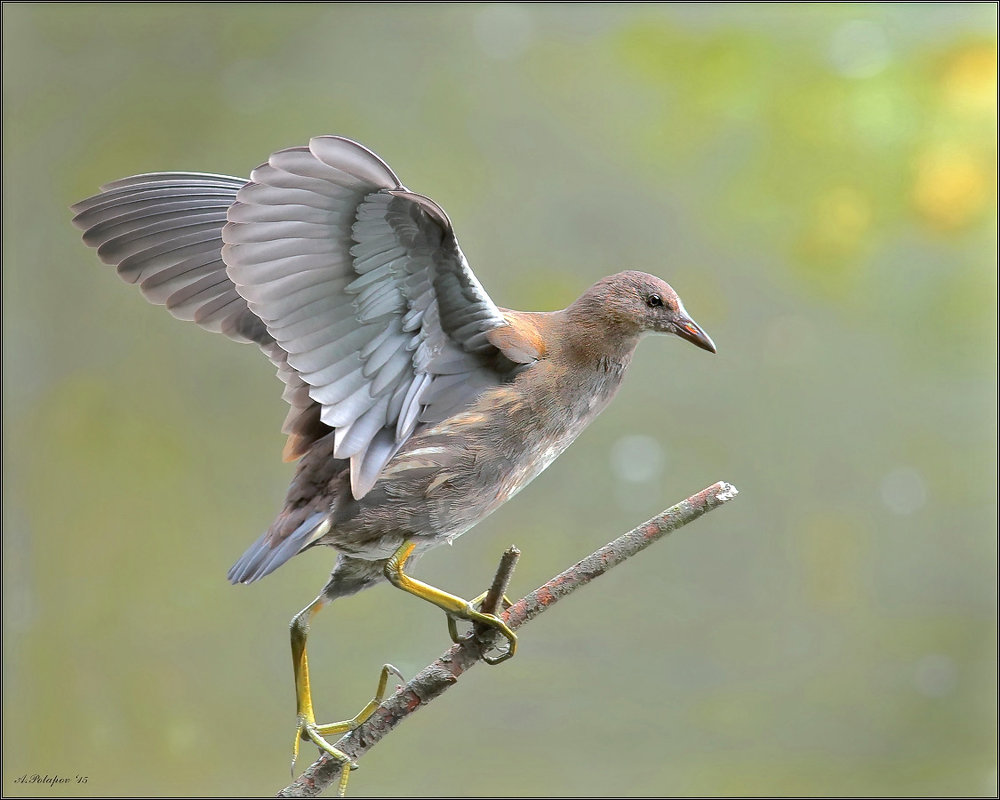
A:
(264, 556)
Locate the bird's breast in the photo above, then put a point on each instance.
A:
(512, 433)
(452, 474)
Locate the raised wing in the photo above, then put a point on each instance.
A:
(353, 286)
(363, 285)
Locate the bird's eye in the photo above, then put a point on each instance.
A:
(654, 301)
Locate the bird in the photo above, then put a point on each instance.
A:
(417, 406)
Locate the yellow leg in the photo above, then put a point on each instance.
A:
(306, 718)
(454, 607)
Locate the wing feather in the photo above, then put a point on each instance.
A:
(164, 232)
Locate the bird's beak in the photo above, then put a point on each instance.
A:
(691, 331)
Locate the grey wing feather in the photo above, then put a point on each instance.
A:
(164, 232)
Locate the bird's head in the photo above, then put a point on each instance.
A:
(637, 303)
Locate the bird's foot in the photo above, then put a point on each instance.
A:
(308, 730)
(489, 621)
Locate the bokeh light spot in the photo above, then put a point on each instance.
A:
(970, 81)
(950, 187)
(859, 49)
(903, 491)
(637, 459)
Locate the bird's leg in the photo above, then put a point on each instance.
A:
(306, 718)
(454, 607)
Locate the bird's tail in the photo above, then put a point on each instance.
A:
(265, 555)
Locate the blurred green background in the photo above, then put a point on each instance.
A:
(819, 184)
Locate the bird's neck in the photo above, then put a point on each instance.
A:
(583, 361)
(596, 347)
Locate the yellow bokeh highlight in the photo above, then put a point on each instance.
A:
(970, 81)
(951, 186)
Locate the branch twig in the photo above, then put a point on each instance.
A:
(435, 678)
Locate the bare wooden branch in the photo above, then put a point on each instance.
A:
(435, 678)
(501, 580)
